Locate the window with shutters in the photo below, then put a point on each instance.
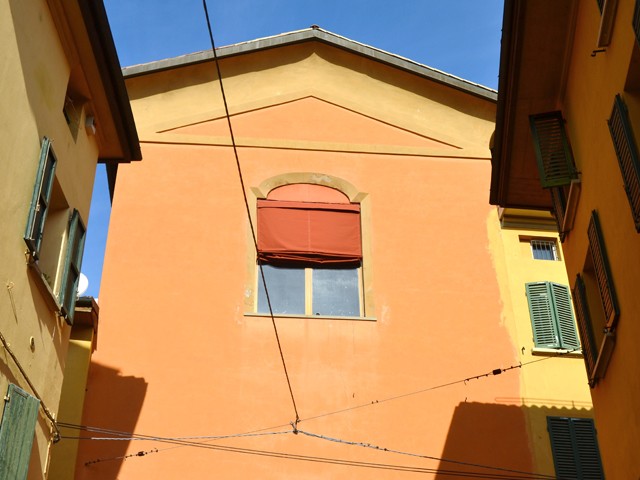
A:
(596, 305)
(574, 445)
(54, 235)
(636, 20)
(551, 316)
(17, 429)
(556, 166)
(310, 253)
(627, 152)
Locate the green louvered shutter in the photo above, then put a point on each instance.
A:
(564, 316)
(553, 153)
(72, 265)
(16, 433)
(575, 448)
(627, 153)
(40, 199)
(588, 452)
(545, 334)
(602, 270)
(589, 347)
(636, 21)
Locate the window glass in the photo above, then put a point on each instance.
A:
(335, 292)
(286, 290)
(544, 250)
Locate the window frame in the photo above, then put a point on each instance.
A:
(307, 292)
(551, 315)
(540, 242)
(354, 195)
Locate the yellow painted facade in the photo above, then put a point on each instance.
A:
(596, 58)
(49, 69)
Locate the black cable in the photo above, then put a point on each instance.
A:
(246, 203)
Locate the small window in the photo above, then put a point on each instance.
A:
(16, 432)
(309, 248)
(551, 316)
(574, 444)
(544, 250)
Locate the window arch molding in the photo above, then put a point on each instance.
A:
(314, 178)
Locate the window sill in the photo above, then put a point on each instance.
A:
(560, 352)
(315, 317)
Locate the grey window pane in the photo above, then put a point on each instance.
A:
(286, 290)
(335, 292)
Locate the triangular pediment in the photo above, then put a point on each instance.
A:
(311, 119)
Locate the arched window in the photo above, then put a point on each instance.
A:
(310, 249)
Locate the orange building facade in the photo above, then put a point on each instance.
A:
(365, 177)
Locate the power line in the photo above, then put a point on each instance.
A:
(429, 457)
(246, 203)
(325, 460)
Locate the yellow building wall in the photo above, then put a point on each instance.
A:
(591, 85)
(553, 385)
(35, 73)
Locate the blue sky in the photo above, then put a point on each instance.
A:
(461, 37)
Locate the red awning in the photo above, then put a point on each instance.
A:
(312, 233)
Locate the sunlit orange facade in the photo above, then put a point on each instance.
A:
(421, 367)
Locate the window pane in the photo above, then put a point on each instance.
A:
(335, 292)
(286, 290)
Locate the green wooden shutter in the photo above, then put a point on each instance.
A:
(589, 347)
(553, 153)
(40, 199)
(545, 333)
(627, 153)
(636, 21)
(16, 433)
(574, 445)
(72, 265)
(602, 270)
(564, 316)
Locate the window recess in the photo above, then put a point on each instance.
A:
(311, 256)
(627, 154)
(54, 236)
(556, 166)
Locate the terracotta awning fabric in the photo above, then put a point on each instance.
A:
(310, 233)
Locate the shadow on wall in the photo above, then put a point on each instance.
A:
(118, 411)
(501, 436)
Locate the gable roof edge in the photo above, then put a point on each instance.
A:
(318, 34)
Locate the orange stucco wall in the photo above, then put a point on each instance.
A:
(179, 354)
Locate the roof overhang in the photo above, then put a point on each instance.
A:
(86, 36)
(536, 44)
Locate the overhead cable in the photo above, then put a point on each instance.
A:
(246, 203)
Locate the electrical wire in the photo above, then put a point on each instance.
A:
(428, 457)
(326, 460)
(246, 203)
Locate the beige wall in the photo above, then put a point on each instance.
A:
(35, 73)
